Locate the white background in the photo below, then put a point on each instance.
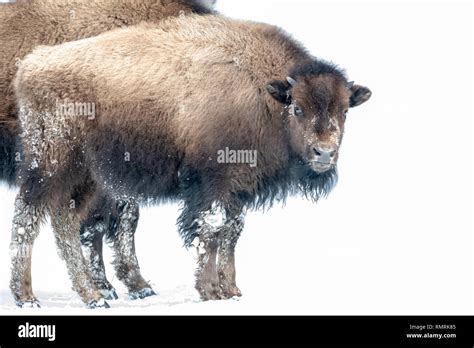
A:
(395, 237)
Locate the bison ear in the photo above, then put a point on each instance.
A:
(279, 91)
(360, 95)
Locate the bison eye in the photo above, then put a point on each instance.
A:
(295, 110)
(298, 111)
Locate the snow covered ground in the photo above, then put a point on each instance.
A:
(395, 237)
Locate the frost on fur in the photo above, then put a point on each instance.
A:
(24, 26)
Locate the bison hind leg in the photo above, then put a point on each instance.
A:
(122, 236)
(26, 224)
(73, 198)
(92, 234)
(66, 226)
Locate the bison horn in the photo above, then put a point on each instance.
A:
(291, 81)
(350, 84)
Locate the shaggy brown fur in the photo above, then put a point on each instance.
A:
(173, 96)
(29, 23)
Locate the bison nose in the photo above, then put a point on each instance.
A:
(324, 155)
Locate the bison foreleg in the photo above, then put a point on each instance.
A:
(229, 235)
(218, 230)
(207, 281)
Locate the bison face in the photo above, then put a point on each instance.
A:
(316, 107)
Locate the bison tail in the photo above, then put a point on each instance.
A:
(207, 3)
(8, 153)
(203, 6)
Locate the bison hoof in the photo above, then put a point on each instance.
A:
(141, 294)
(98, 304)
(28, 304)
(210, 292)
(232, 292)
(109, 294)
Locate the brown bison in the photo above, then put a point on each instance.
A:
(27, 24)
(219, 114)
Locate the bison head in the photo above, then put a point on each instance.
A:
(317, 106)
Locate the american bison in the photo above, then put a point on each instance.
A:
(27, 24)
(170, 99)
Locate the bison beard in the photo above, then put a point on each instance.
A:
(27, 24)
(205, 91)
